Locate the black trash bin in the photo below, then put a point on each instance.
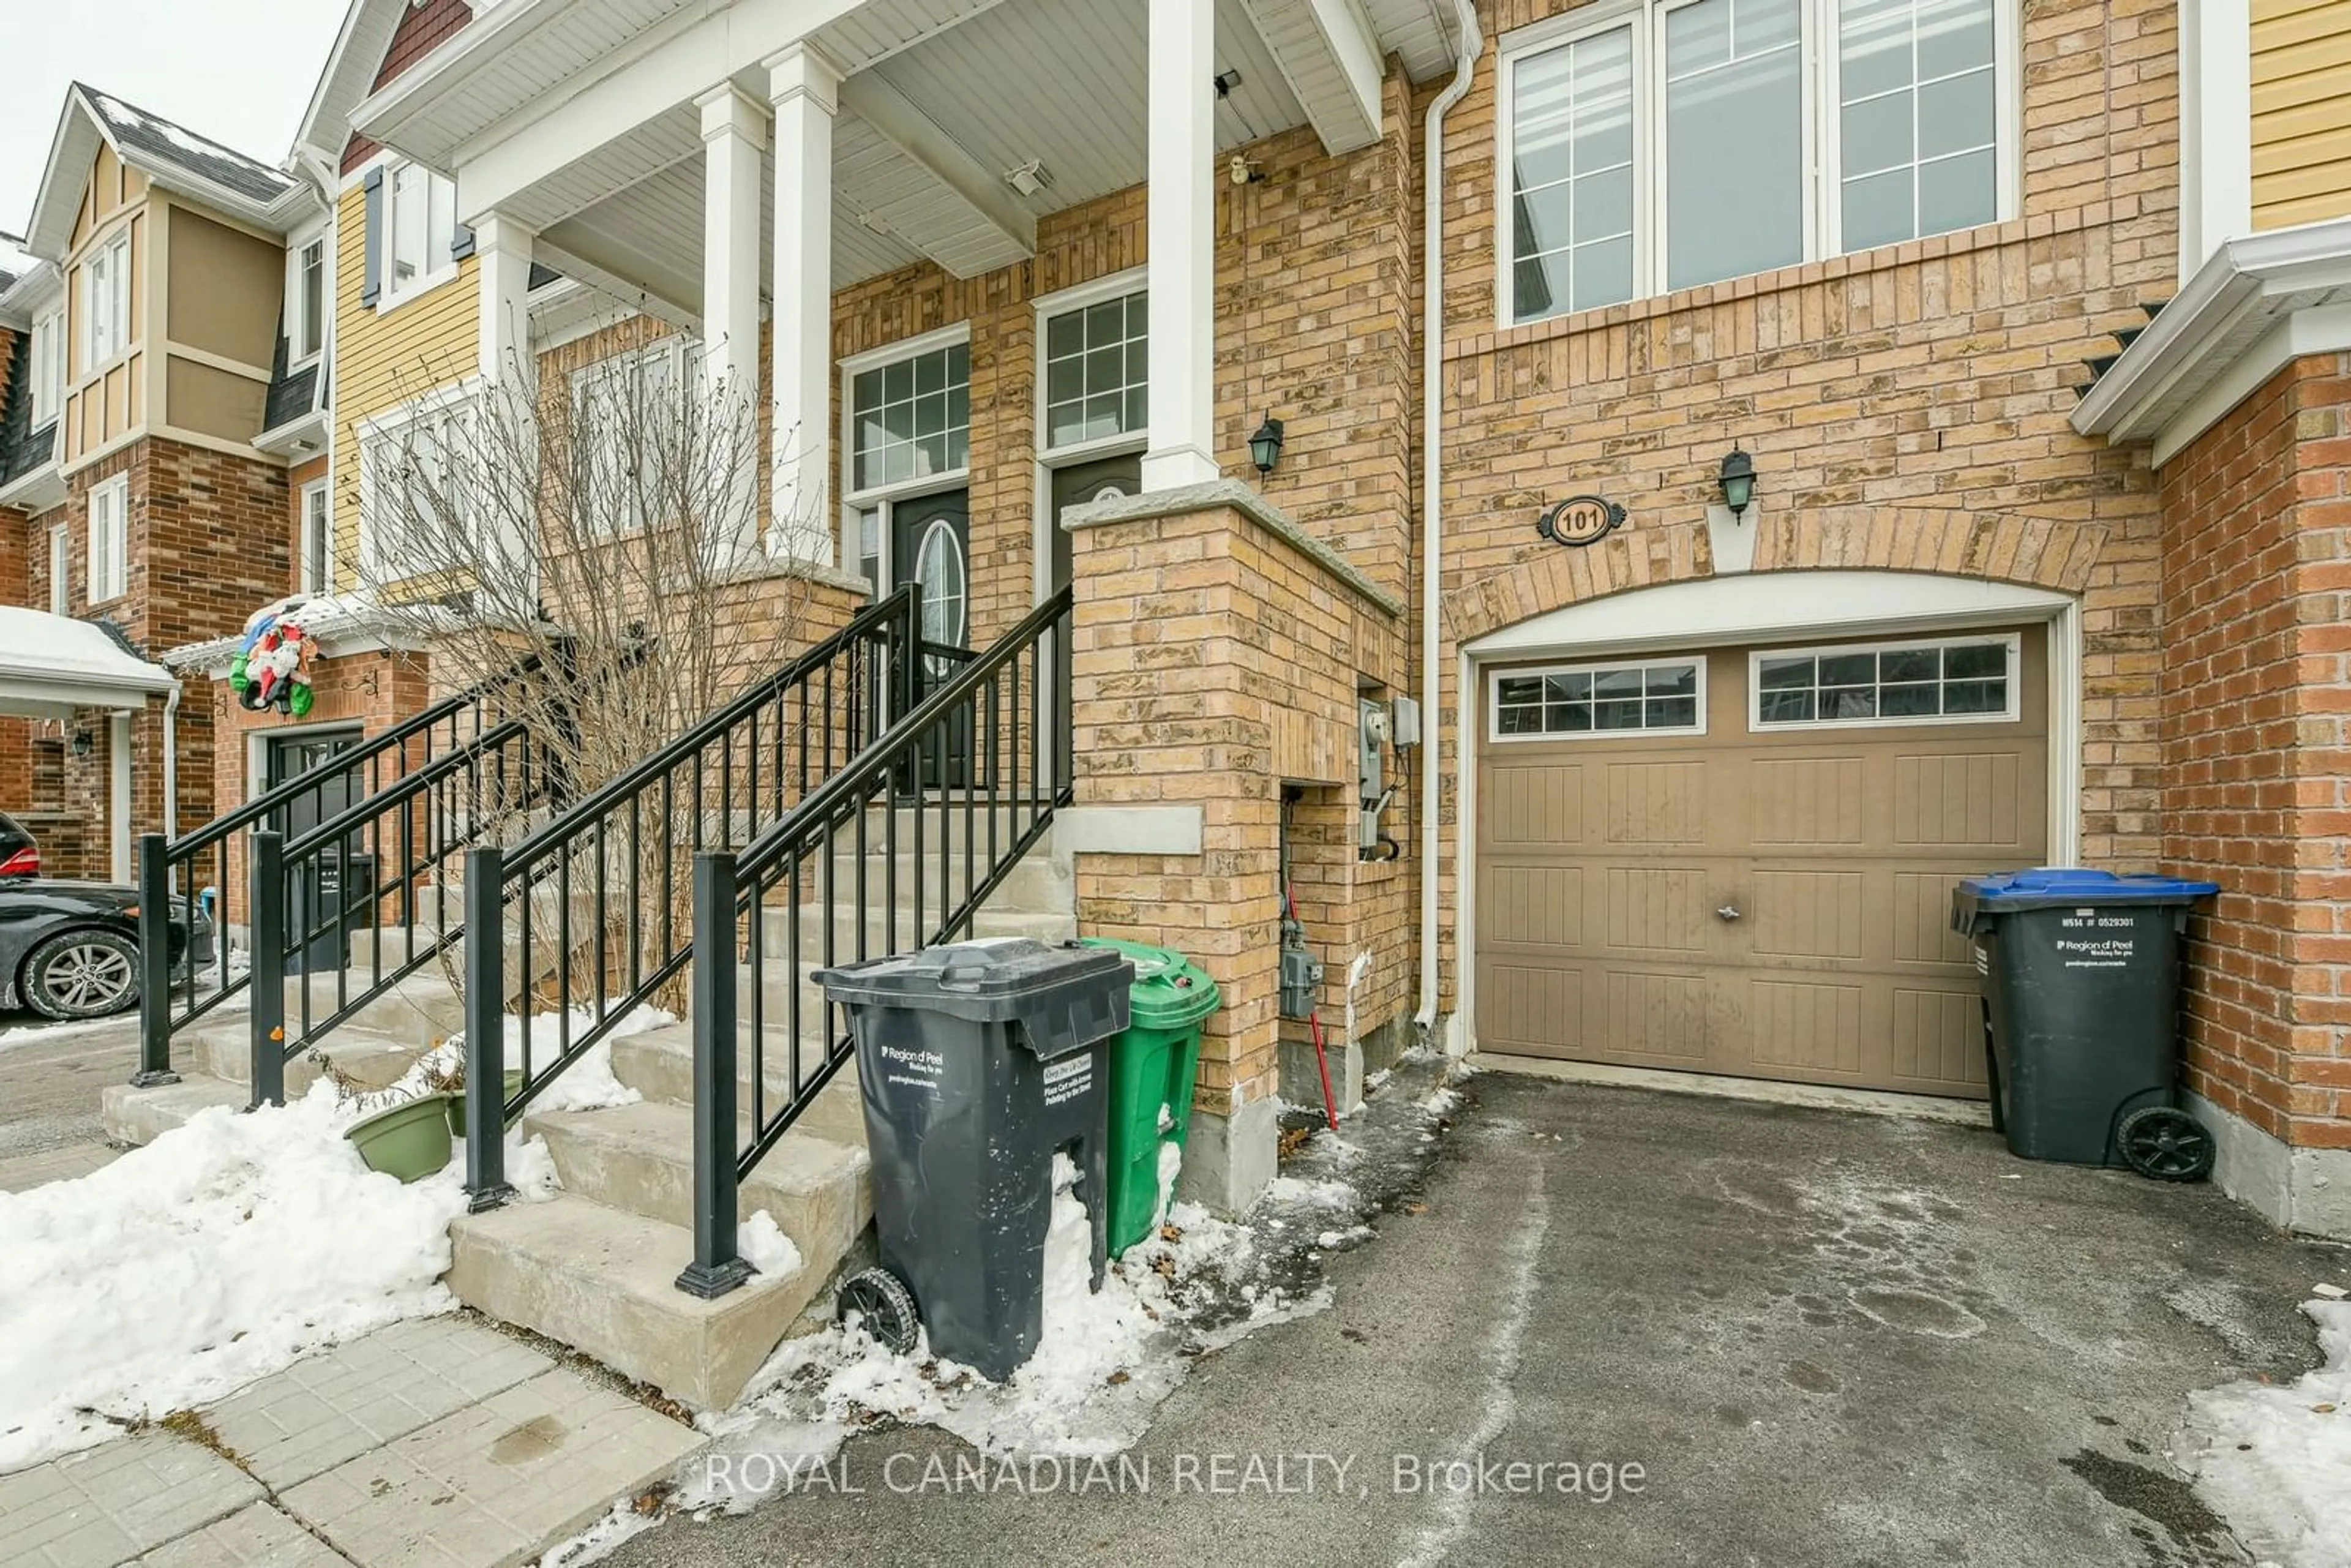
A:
(333, 897)
(2080, 977)
(977, 1063)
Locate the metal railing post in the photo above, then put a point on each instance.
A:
(155, 964)
(486, 1031)
(717, 1268)
(265, 861)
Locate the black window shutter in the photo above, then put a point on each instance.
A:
(372, 287)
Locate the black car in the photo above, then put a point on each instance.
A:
(71, 949)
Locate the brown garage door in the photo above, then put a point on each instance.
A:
(1763, 891)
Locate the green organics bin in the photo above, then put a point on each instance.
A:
(1152, 1065)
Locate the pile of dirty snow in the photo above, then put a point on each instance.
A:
(223, 1250)
(1104, 1363)
(2275, 1461)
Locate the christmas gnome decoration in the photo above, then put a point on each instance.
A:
(270, 668)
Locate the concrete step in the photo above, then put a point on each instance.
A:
(1034, 883)
(367, 1056)
(889, 930)
(640, 1158)
(659, 1065)
(424, 1005)
(140, 1116)
(603, 1280)
(1010, 822)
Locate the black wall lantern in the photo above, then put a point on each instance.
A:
(1738, 482)
(82, 743)
(1265, 446)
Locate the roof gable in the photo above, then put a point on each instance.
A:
(166, 151)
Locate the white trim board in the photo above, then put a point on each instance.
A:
(1727, 611)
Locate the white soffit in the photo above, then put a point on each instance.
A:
(2257, 304)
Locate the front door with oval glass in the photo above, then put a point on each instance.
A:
(930, 545)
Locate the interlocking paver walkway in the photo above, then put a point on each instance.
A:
(435, 1443)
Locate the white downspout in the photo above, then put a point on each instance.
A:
(171, 765)
(1432, 348)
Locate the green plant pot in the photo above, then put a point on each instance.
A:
(457, 1102)
(410, 1141)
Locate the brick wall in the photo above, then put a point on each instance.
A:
(208, 543)
(2256, 753)
(1907, 407)
(1213, 659)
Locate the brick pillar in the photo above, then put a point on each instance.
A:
(1216, 655)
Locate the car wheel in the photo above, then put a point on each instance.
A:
(82, 975)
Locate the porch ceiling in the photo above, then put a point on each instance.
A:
(996, 87)
(1000, 82)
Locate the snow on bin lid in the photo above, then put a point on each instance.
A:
(989, 979)
(2052, 887)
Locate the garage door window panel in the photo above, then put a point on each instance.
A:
(1974, 681)
(1665, 698)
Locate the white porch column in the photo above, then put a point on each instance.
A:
(1181, 213)
(733, 136)
(806, 90)
(509, 380)
(501, 247)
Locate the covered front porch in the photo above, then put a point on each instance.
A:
(993, 262)
(835, 197)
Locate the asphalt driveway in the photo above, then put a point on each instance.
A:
(1769, 1335)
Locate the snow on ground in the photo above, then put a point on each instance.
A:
(223, 1252)
(2275, 1460)
(588, 1084)
(1105, 1362)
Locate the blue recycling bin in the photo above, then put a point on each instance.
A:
(2080, 973)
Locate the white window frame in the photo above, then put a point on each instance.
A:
(48, 368)
(848, 368)
(1823, 215)
(110, 539)
(437, 269)
(392, 426)
(680, 352)
(298, 324)
(60, 570)
(318, 568)
(880, 499)
(2012, 714)
(1060, 302)
(1495, 677)
(110, 258)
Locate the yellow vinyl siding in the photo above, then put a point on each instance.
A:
(2302, 111)
(385, 360)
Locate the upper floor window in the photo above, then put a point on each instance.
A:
(60, 571)
(106, 303)
(634, 435)
(418, 472)
(1098, 370)
(419, 225)
(317, 543)
(1680, 143)
(48, 368)
(306, 299)
(109, 538)
(909, 418)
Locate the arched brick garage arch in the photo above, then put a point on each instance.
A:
(2038, 552)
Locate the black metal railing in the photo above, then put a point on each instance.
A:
(587, 920)
(347, 911)
(198, 871)
(895, 851)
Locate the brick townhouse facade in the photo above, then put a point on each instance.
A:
(1689, 795)
(154, 371)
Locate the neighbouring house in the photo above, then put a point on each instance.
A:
(2239, 396)
(1579, 522)
(159, 393)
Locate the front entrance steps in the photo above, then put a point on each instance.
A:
(373, 1049)
(596, 1266)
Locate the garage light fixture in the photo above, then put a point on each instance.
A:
(1029, 178)
(82, 743)
(1265, 446)
(1738, 478)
